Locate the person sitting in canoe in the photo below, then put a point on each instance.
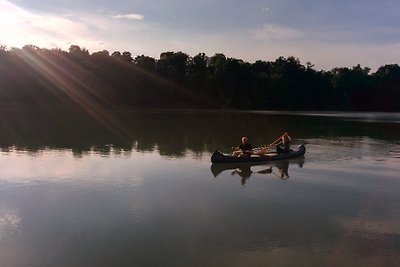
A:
(244, 149)
(284, 145)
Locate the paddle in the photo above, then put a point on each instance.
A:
(276, 142)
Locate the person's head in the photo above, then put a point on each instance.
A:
(285, 138)
(244, 139)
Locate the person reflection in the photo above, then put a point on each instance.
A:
(244, 172)
(279, 169)
(283, 168)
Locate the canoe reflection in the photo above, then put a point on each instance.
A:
(278, 169)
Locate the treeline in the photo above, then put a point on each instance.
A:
(33, 76)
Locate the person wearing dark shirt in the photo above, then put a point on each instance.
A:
(284, 145)
(244, 149)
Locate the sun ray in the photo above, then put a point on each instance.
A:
(74, 88)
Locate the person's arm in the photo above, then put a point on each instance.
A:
(288, 136)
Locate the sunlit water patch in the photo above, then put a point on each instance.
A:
(9, 223)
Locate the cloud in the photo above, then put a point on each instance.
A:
(56, 26)
(325, 55)
(20, 27)
(129, 16)
(271, 32)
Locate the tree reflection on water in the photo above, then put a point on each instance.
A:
(170, 132)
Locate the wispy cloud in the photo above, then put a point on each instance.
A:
(271, 32)
(129, 16)
(20, 27)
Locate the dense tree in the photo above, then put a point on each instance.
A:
(127, 56)
(33, 76)
(101, 54)
(173, 65)
(197, 68)
(76, 50)
(387, 96)
(145, 62)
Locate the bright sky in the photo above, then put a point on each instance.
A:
(340, 33)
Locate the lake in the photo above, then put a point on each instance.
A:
(137, 188)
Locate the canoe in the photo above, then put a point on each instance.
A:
(218, 157)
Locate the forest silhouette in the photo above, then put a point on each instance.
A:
(37, 77)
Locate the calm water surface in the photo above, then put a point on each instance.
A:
(138, 189)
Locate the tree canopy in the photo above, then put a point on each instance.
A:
(33, 76)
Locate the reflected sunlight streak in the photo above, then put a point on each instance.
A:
(19, 168)
(9, 222)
